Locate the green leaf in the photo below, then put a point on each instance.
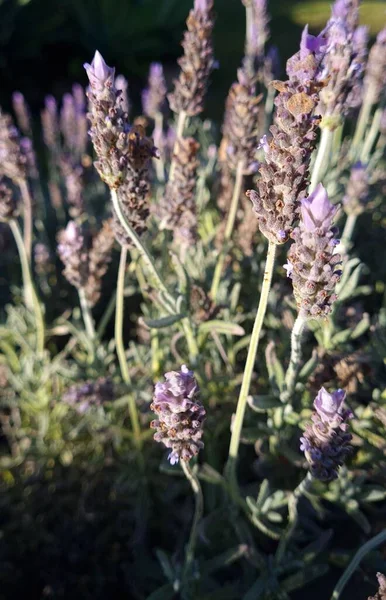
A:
(373, 494)
(161, 323)
(221, 327)
(166, 592)
(304, 576)
(165, 564)
(263, 403)
(224, 559)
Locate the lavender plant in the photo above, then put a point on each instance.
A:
(150, 218)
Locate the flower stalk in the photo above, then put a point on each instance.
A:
(198, 511)
(229, 229)
(295, 358)
(87, 315)
(322, 159)
(230, 468)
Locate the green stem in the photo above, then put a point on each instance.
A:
(371, 136)
(87, 316)
(348, 230)
(293, 502)
(30, 296)
(322, 158)
(295, 358)
(27, 217)
(168, 302)
(191, 341)
(228, 230)
(199, 508)
(119, 313)
(361, 124)
(107, 315)
(248, 371)
(179, 133)
(365, 549)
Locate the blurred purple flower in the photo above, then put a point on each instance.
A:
(317, 210)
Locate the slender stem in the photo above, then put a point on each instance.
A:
(179, 133)
(228, 230)
(295, 358)
(362, 123)
(119, 313)
(169, 302)
(293, 502)
(348, 230)
(30, 296)
(27, 214)
(191, 341)
(322, 158)
(199, 508)
(107, 315)
(87, 316)
(159, 162)
(248, 371)
(365, 549)
(371, 136)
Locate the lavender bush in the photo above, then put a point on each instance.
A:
(219, 284)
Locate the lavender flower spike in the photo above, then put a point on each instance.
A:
(326, 441)
(99, 73)
(381, 593)
(314, 263)
(180, 415)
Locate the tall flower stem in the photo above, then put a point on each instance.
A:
(119, 312)
(348, 230)
(365, 549)
(293, 502)
(27, 215)
(322, 158)
(199, 507)
(167, 299)
(87, 316)
(179, 133)
(371, 136)
(362, 122)
(228, 230)
(159, 162)
(191, 341)
(248, 371)
(295, 358)
(30, 297)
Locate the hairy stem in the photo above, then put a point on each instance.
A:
(199, 507)
(362, 122)
(248, 371)
(166, 299)
(191, 341)
(322, 158)
(119, 313)
(228, 230)
(87, 316)
(27, 215)
(295, 358)
(371, 136)
(293, 502)
(30, 296)
(365, 549)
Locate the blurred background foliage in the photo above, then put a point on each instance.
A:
(43, 43)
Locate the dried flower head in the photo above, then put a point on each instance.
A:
(86, 257)
(8, 203)
(197, 61)
(180, 414)
(154, 96)
(374, 82)
(381, 593)
(177, 210)
(82, 396)
(284, 174)
(342, 64)
(313, 265)
(240, 129)
(326, 441)
(13, 161)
